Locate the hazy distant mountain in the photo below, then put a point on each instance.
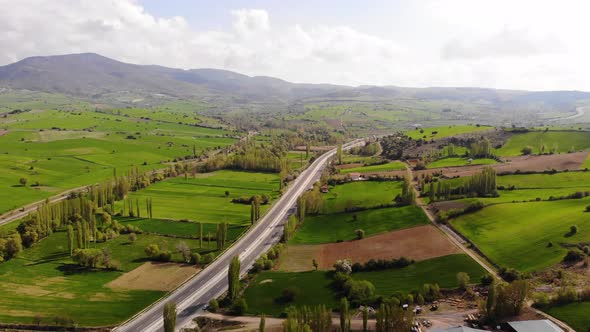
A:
(93, 76)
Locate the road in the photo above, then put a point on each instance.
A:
(192, 296)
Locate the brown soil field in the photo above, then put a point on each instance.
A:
(154, 276)
(345, 166)
(418, 243)
(449, 205)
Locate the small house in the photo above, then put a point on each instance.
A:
(356, 176)
(541, 325)
(324, 189)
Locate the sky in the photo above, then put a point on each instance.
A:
(524, 44)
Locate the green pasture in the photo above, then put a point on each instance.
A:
(441, 270)
(44, 281)
(517, 234)
(392, 166)
(87, 150)
(264, 291)
(361, 194)
(341, 226)
(574, 314)
(564, 141)
(445, 131)
(263, 294)
(458, 161)
(203, 199)
(180, 228)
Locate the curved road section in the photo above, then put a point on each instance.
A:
(193, 296)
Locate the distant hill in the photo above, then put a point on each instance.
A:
(92, 76)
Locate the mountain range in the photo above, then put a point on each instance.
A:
(95, 77)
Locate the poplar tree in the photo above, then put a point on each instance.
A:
(200, 235)
(169, 317)
(79, 235)
(71, 239)
(233, 278)
(262, 323)
(344, 315)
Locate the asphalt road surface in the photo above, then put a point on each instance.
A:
(194, 295)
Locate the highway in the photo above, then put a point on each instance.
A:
(210, 283)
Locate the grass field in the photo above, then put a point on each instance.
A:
(445, 131)
(62, 150)
(170, 227)
(264, 292)
(563, 140)
(341, 226)
(203, 198)
(360, 194)
(574, 314)
(456, 161)
(586, 163)
(348, 158)
(441, 270)
(43, 280)
(392, 166)
(297, 160)
(516, 234)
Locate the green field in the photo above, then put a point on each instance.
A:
(348, 158)
(341, 226)
(457, 161)
(297, 160)
(558, 180)
(516, 234)
(364, 194)
(263, 294)
(392, 166)
(564, 141)
(203, 198)
(586, 163)
(170, 227)
(86, 149)
(43, 280)
(264, 291)
(440, 270)
(574, 314)
(445, 131)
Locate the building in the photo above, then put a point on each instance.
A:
(542, 325)
(356, 176)
(459, 329)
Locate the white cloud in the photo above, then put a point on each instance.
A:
(504, 44)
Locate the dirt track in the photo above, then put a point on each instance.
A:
(417, 243)
(154, 276)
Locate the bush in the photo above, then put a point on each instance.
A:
(588, 208)
(486, 279)
(152, 251)
(359, 291)
(239, 307)
(573, 256)
(541, 300)
(381, 264)
(510, 274)
(195, 258)
(165, 256)
(527, 150)
(360, 234)
(289, 294)
(132, 237)
(213, 305)
(463, 280)
(573, 229)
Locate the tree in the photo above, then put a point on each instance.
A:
(227, 193)
(462, 280)
(344, 315)
(169, 317)
(360, 234)
(152, 250)
(79, 238)
(526, 150)
(213, 305)
(200, 235)
(70, 231)
(262, 323)
(14, 245)
(23, 181)
(233, 278)
(339, 154)
(132, 237)
(185, 251)
(239, 307)
(491, 302)
(315, 264)
(392, 318)
(573, 229)
(365, 318)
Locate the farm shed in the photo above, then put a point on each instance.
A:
(543, 325)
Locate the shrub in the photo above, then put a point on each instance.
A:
(588, 208)
(462, 280)
(527, 150)
(359, 291)
(343, 265)
(574, 255)
(132, 237)
(573, 229)
(510, 274)
(360, 234)
(565, 295)
(213, 305)
(165, 256)
(239, 307)
(152, 250)
(541, 300)
(486, 279)
(289, 294)
(195, 258)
